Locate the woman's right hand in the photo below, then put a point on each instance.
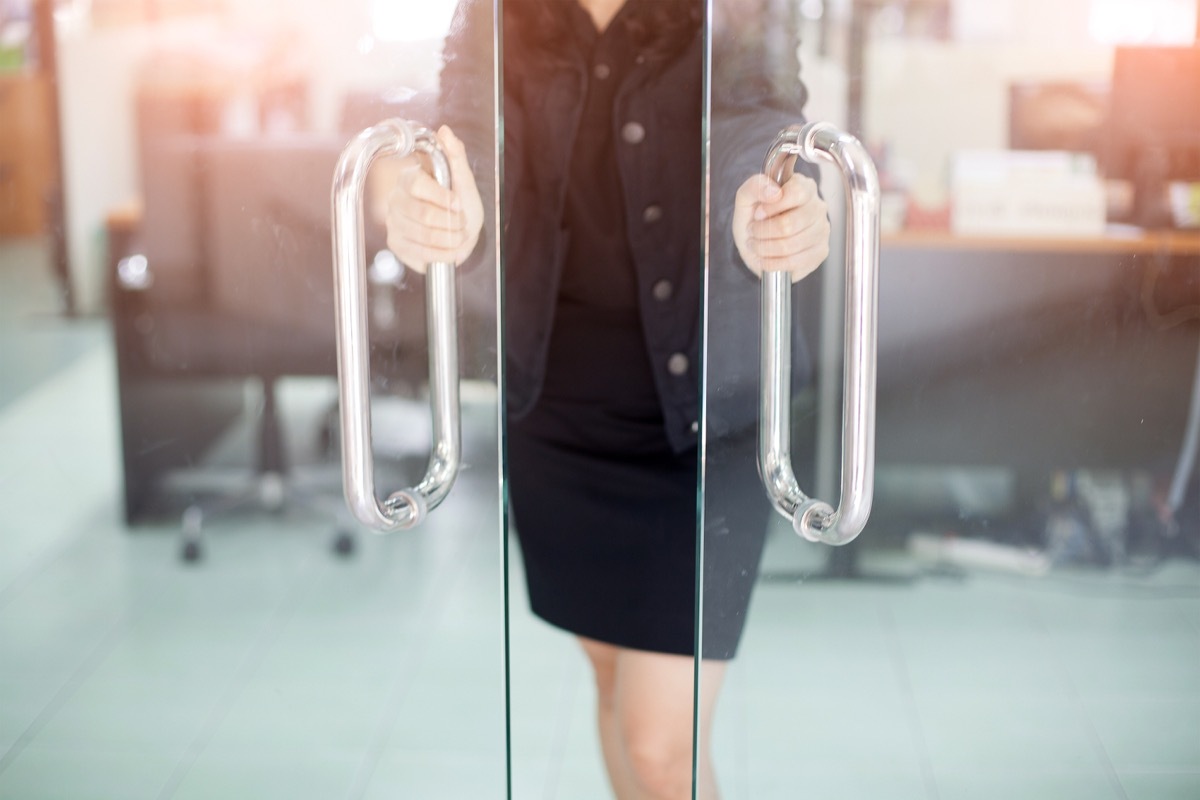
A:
(781, 229)
(427, 223)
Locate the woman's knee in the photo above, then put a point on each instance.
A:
(659, 756)
(654, 711)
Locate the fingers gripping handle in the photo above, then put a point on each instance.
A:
(408, 507)
(813, 519)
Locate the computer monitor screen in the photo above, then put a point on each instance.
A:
(1154, 124)
(1057, 115)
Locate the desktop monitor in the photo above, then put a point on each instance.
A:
(1153, 135)
(1057, 115)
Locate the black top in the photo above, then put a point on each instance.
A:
(599, 268)
(754, 93)
(599, 378)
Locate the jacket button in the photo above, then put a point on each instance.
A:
(662, 290)
(652, 213)
(602, 71)
(677, 364)
(695, 426)
(633, 132)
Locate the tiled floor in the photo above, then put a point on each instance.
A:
(275, 669)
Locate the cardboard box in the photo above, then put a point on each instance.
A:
(27, 167)
(1023, 193)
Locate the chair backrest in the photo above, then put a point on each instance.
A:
(170, 125)
(267, 229)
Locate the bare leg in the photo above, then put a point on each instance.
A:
(604, 668)
(645, 707)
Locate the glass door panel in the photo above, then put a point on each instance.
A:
(1019, 616)
(186, 608)
(602, 186)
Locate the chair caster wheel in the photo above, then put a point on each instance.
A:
(191, 552)
(343, 544)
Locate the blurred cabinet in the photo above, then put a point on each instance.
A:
(27, 162)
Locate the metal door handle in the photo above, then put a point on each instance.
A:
(407, 507)
(814, 519)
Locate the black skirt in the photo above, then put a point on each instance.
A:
(604, 509)
(606, 512)
(610, 541)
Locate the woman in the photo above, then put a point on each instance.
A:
(603, 161)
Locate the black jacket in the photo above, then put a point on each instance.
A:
(663, 179)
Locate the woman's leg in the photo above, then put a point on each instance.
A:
(604, 659)
(645, 707)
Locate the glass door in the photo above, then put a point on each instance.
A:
(186, 607)
(1018, 618)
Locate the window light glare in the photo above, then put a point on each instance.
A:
(1142, 21)
(409, 21)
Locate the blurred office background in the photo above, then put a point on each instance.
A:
(185, 610)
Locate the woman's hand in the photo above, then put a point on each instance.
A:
(781, 229)
(428, 223)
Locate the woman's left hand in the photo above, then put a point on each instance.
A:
(781, 229)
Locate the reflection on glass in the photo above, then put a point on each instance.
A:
(1018, 617)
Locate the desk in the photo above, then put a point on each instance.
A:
(1174, 243)
(1033, 355)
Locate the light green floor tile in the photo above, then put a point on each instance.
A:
(572, 779)
(1190, 611)
(452, 656)
(35, 341)
(1161, 785)
(970, 607)
(21, 702)
(476, 605)
(1006, 734)
(810, 660)
(87, 774)
(269, 774)
(1115, 607)
(54, 650)
(544, 694)
(841, 730)
(836, 785)
(324, 650)
(302, 716)
(1027, 785)
(389, 579)
(1141, 734)
(186, 652)
(433, 775)
(556, 747)
(819, 609)
(530, 775)
(577, 760)
(59, 468)
(982, 663)
(33, 355)
(1133, 665)
(453, 717)
(129, 716)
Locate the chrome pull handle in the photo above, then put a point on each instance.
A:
(407, 507)
(814, 519)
